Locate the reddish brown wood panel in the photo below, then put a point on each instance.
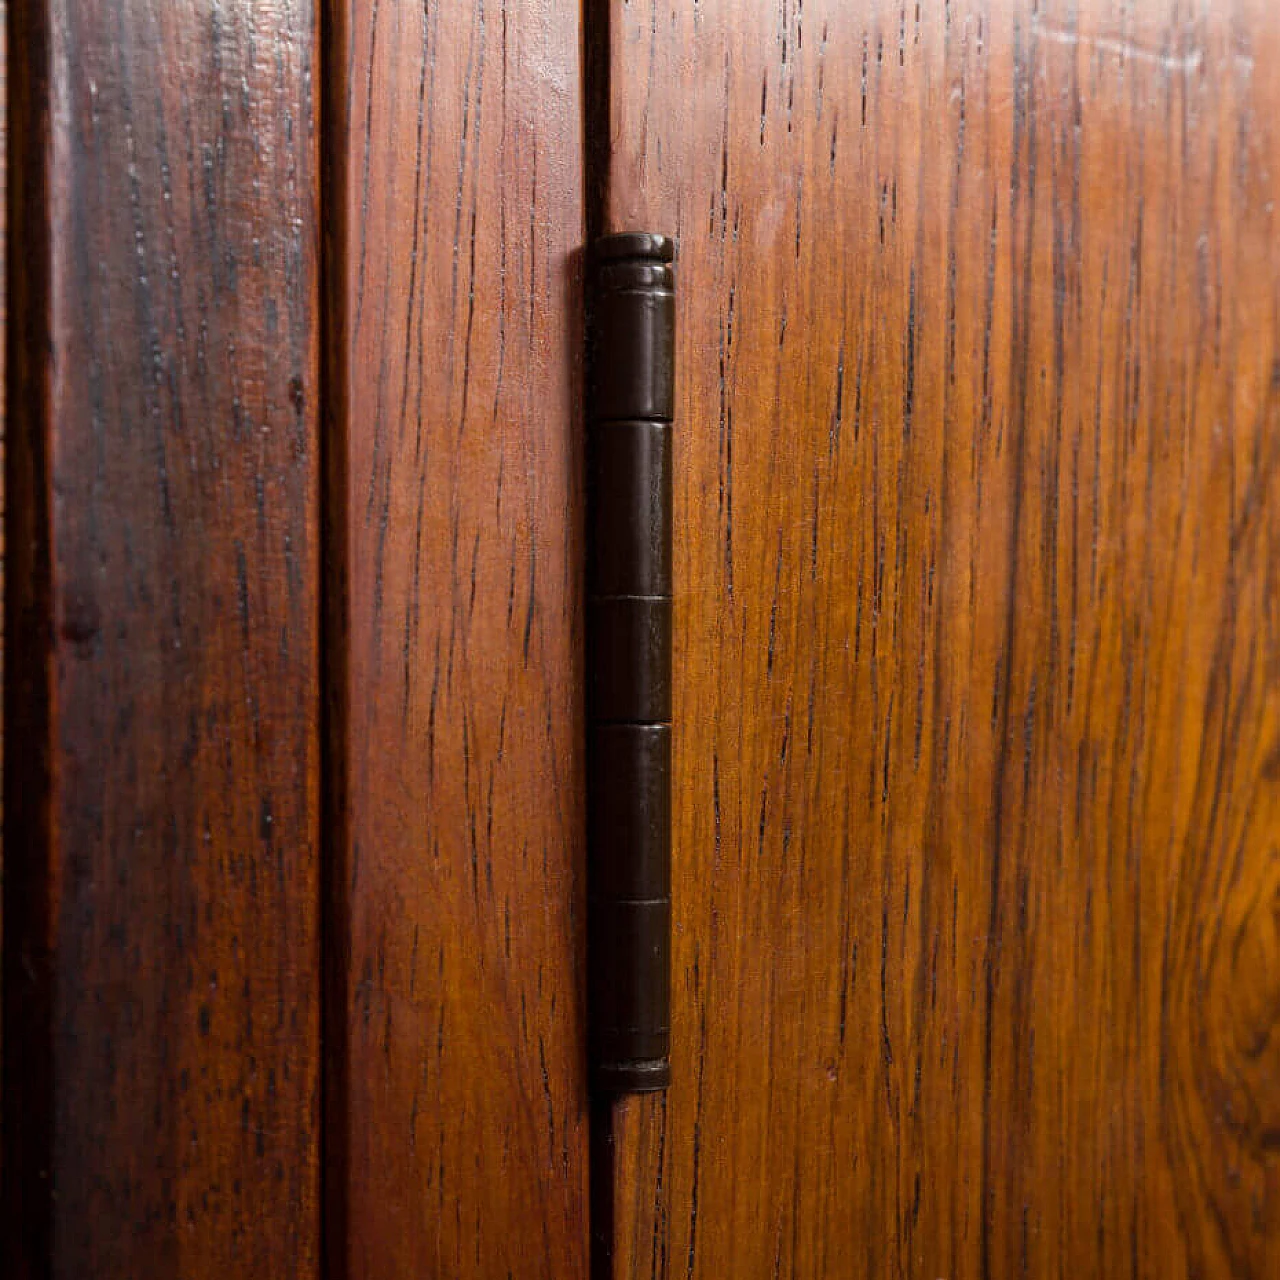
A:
(977, 653)
(161, 887)
(457, 1132)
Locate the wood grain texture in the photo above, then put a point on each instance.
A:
(456, 1138)
(161, 800)
(977, 830)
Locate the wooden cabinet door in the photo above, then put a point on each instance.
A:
(977, 651)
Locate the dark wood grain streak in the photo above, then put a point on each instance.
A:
(977, 838)
(456, 133)
(335, 595)
(161, 801)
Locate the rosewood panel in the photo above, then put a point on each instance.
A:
(456, 1139)
(977, 691)
(161, 957)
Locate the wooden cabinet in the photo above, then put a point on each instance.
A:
(976, 882)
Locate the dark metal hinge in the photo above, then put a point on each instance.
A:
(631, 329)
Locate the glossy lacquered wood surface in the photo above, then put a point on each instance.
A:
(977, 691)
(161, 964)
(456, 1139)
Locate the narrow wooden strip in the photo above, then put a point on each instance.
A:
(161, 944)
(457, 1117)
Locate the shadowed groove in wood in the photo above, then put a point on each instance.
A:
(979, 529)
(4, 225)
(27, 1104)
(457, 1110)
